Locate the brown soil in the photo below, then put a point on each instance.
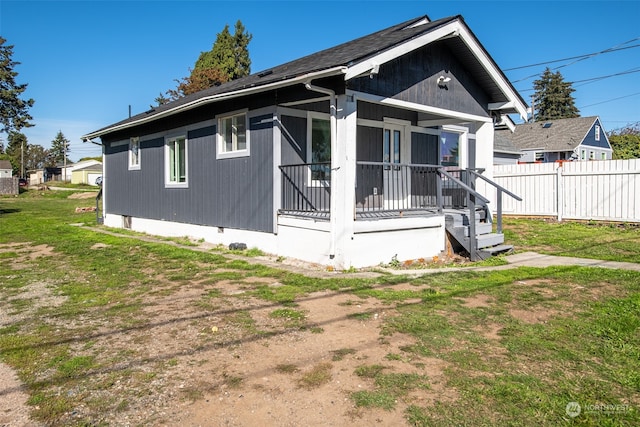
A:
(191, 360)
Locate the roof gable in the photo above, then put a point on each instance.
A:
(5, 164)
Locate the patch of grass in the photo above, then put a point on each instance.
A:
(341, 353)
(612, 242)
(365, 315)
(389, 387)
(291, 317)
(318, 375)
(287, 368)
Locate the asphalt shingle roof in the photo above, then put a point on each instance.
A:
(556, 135)
(345, 54)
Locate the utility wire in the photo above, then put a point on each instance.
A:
(609, 100)
(593, 79)
(577, 58)
(588, 55)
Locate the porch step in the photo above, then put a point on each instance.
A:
(495, 250)
(488, 243)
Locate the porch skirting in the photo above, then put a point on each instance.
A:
(369, 244)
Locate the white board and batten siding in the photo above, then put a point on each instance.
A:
(607, 190)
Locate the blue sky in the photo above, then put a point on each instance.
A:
(86, 61)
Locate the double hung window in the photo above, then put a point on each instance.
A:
(176, 161)
(134, 153)
(233, 138)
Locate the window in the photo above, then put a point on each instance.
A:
(603, 156)
(233, 138)
(450, 149)
(597, 133)
(134, 153)
(539, 157)
(583, 154)
(592, 155)
(176, 162)
(319, 153)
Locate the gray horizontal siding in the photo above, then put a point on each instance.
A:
(234, 193)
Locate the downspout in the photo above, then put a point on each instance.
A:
(334, 162)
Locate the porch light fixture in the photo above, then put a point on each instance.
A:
(442, 82)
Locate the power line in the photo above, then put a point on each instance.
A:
(609, 100)
(593, 79)
(585, 56)
(577, 59)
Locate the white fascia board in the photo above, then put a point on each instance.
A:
(495, 74)
(460, 117)
(215, 98)
(370, 64)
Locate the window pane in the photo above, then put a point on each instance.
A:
(396, 146)
(320, 148)
(240, 131)
(449, 149)
(172, 161)
(227, 134)
(181, 161)
(386, 149)
(135, 147)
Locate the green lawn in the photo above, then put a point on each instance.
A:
(516, 346)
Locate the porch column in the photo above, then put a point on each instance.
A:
(343, 187)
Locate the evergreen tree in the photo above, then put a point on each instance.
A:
(17, 142)
(59, 149)
(553, 99)
(227, 60)
(13, 110)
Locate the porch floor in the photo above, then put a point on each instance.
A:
(368, 215)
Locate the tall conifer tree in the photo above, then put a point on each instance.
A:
(553, 99)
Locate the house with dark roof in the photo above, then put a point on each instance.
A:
(349, 157)
(580, 138)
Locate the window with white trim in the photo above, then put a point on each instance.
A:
(319, 148)
(134, 153)
(176, 161)
(603, 156)
(592, 155)
(583, 154)
(597, 133)
(233, 137)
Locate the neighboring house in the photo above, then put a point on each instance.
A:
(40, 176)
(334, 158)
(581, 138)
(67, 173)
(6, 170)
(86, 174)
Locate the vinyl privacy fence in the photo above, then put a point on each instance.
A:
(606, 190)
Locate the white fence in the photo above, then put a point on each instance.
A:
(607, 190)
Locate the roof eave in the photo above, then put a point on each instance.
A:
(216, 98)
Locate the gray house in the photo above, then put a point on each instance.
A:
(347, 157)
(581, 138)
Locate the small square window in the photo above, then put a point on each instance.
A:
(176, 162)
(539, 157)
(134, 153)
(233, 138)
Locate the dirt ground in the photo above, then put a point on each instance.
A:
(196, 364)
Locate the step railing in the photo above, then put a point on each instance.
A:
(500, 190)
(473, 200)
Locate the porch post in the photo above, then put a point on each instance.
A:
(343, 188)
